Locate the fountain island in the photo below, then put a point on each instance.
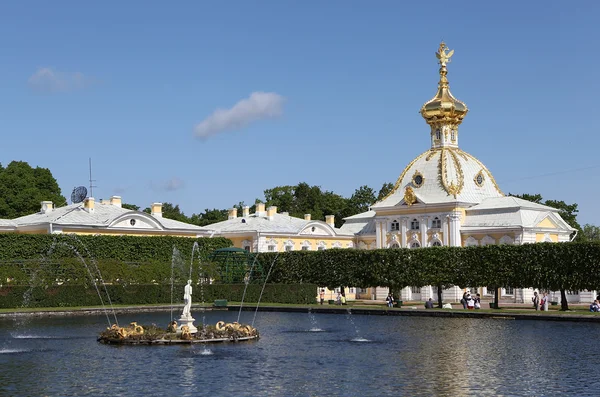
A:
(184, 333)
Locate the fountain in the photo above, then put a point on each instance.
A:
(184, 332)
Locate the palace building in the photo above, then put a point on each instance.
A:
(444, 197)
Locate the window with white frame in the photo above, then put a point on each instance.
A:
(414, 224)
(436, 223)
(247, 248)
(321, 248)
(271, 248)
(509, 291)
(395, 225)
(415, 244)
(415, 290)
(436, 244)
(288, 248)
(394, 245)
(305, 248)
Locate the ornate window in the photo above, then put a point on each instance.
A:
(415, 244)
(453, 135)
(487, 240)
(271, 248)
(132, 222)
(394, 245)
(414, 224)
(436, 244)
(247, 248)
(288, 248)
(305, 248)
(395, 225)
(436, 223)
(479, 178)
(471, 241)
(506, 240)
(418, 179)
(321, 246)
(438, 134)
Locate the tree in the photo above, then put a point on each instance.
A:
(568, 212)
(362, 199)
(22, 188)
(132, 207)
(385, 190)
(209, 216)
(590, 233)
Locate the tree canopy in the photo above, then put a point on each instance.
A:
(22, 188)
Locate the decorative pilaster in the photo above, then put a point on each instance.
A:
(445, 232)
(378, 233)
(423, 227)
(403, 228)
(455, 240)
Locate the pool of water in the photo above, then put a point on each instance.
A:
(302, 354)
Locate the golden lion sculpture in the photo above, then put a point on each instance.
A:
(185, 332)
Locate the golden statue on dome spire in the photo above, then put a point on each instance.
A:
(442, 55)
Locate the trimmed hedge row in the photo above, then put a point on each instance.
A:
(78, 295)
(552, 266)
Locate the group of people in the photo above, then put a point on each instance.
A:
(540, 303)
(471, 302)
(339, 300)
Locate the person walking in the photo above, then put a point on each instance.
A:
(536, 301)
(464, 300)
(477, 301)
(390, 300)
(544, 303)
(322, 295)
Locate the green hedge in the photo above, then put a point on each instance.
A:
(78, 295)
(553, 266)
(66, 259)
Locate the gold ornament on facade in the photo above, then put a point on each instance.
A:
(409, 196)
(398, 183)
(442, 55)
(418, 179)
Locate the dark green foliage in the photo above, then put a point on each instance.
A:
(78, 295)
(22, 188)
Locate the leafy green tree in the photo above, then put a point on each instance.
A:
(362, 199)
(132, 207)
(22, 188)
(567, 211)
(385, 190)
(209, 216)
(590, 232)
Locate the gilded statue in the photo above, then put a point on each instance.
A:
(442, 55)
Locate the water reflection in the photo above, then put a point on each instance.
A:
(357, 355)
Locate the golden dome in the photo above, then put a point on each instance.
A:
(443, 107)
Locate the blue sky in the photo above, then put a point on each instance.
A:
(323, 92)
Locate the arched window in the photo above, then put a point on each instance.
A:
(436, 244)
(414, 224)
(453, 136)
(436, 223)
(394, 245)
(438, 134)
(395, 225)
(415, 244)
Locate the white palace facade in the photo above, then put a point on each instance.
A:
(444, 197)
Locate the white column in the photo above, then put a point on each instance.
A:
(455, 240)
(377, 233)
(445, 236)
(403, 227)
(384, 233)
(423, 226)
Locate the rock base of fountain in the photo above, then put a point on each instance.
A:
(187, 321)
(136, 334)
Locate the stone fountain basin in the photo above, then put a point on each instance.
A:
(167, 341)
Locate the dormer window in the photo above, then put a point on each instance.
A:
(395, 225)
(132, 222)
(414, 224)
(436, 223)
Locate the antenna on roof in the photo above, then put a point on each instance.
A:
(78, 195)
(92, 186)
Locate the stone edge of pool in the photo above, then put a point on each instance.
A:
(445, 313)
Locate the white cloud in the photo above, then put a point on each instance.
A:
(258, 106)
(48, 80)
(169, 185)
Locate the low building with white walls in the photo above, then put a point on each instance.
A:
(106, 217)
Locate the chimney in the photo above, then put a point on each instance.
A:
(47, 207)
(156, 210)
(246, 211)
(307, 217)
(232, 213)
(271, 211)
(88, 204)
(330, 219)
(116, 201)
(260, 209)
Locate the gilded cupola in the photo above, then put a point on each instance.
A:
(443, 112)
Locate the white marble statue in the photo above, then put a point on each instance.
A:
(187, 299)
